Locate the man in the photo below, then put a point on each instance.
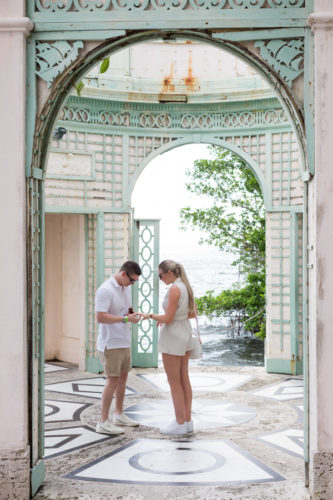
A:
(112, 304)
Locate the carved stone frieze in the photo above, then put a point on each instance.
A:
(174, 119)
(286, 57)
(63, 6)
(53, 58)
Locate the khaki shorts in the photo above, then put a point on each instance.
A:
(116, 361)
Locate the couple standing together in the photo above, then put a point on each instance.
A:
(113, 311)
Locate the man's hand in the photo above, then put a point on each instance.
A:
(134, 317)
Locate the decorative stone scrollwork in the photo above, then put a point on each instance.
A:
(53, 58)
(53, 5)
(286, 57)
(207, 4)
(92, 5)
(100, 117)
(155, 121)
(168, 4)
(286, 3)
(132, 5)
(197, 121)
(246, 4)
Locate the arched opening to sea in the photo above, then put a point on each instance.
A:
(158, 195)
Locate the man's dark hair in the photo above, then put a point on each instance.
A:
(131, 267)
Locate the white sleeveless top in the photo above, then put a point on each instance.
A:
(176, 338)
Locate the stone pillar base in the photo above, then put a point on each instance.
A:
(14, 475)
(321, 475)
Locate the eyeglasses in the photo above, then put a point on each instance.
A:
(160, 275)
(132, 280)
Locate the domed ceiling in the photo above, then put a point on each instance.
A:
(175, 71)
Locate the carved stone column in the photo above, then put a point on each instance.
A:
(14, 444)
(321, 277)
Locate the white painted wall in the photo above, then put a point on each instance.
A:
(13, 337)
(65, 288)
(321, 230)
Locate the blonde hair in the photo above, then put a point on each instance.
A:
(179, 271)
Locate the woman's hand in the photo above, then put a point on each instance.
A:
(149, 316)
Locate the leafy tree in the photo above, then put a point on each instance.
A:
(235, 223)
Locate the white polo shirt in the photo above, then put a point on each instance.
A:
(113, 299)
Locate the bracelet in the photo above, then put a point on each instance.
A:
(151, 316)
(125, 319)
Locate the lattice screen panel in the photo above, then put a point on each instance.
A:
(300, 283)
(253, 145)
(278, 277)
(287, 187)
(116, 246)
(91, 277)
(102, 186)
(141, 147)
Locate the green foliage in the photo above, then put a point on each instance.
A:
(245, 305)
(79, 87)
(105, 65)
(235, 223)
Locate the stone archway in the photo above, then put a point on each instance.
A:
(44, 123)
(237, 23)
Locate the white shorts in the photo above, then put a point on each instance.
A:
(175, 338)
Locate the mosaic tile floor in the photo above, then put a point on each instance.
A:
(207, 414)
(87, 387)
(155, 461)
(67, 439)
(300, 412)
(50, 368)
(207, 382)
(290, 441)
(183, 461)
(63, 411)
(289, 389)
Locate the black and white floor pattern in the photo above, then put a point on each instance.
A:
(50, 368)
(300, 412)
(206, 382)
(206, 414)
(155, 461)
(183, 461)
(67, 439)
(289, 440)
(63, 411)
(87, 387)
(291, 388)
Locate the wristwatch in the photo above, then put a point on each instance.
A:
(125, 319)
(151, 316)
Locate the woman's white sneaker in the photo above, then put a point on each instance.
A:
(108, 428)
(189, 426)
(175, 428)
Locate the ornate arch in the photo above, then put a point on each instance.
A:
(194, 139)
(276, 52)
(66, 80)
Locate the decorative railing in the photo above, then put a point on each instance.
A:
(173, 120)
(167, 5)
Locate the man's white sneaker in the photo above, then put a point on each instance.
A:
(107, 428)
(175, 428)
(124, 420)
(189, 426)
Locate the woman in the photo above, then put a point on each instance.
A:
(175, 342)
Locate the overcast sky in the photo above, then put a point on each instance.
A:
(160, 192)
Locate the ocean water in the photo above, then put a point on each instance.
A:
(210, 269)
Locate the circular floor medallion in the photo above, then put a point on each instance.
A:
(178, 461)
